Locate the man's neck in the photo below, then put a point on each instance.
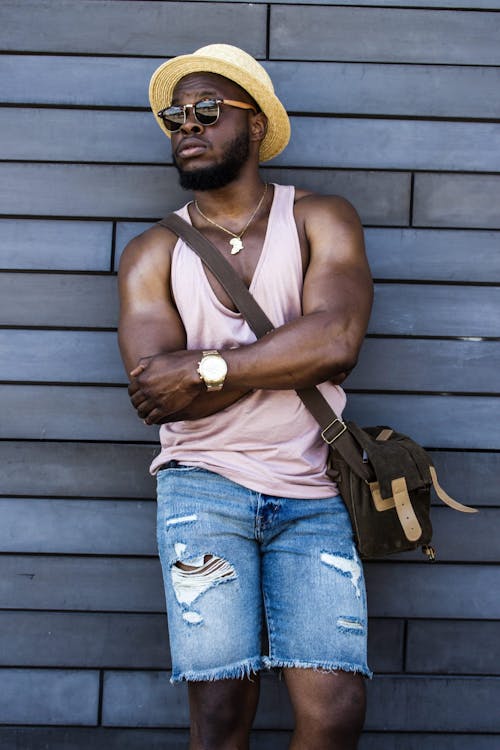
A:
(233, 200)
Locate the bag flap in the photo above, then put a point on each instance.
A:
(392, 458)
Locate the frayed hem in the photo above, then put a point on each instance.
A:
(271, 663)
(241, 670)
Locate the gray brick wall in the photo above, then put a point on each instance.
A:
(403, 97)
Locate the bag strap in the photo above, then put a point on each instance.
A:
(223, 272)
(333, 429)
(445, 498)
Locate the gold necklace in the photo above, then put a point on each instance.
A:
(236, 243)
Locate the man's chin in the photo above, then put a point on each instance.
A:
(205, 178)
(215, 176)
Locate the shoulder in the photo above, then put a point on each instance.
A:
(324, 218)
(149, 252)
(334, 208)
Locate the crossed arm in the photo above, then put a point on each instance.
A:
(323, 344)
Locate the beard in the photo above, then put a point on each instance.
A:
(219, 175)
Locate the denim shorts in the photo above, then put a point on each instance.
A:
(237, 563)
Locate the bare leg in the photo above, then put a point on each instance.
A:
(329, 709)
(222, 713)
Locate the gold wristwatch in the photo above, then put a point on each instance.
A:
(212, 369)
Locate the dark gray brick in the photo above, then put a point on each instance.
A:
(85, 640)
(77, 469)
(437, 255)
(424, 590)
(396, 35)
(55, 245)
(437, 421)
(451, 647)
(453, 200)
(49, 696)
(107, 27)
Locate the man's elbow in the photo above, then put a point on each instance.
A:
(343, 359)
(343, 369)
(339, 377)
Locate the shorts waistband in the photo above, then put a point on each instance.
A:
(172, 464)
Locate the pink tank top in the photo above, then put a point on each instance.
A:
(267, 441)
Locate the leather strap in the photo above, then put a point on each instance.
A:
(223, 272)
(445, 497)
(404, 509)
(333, 429)
(380, 503)
(385, 434)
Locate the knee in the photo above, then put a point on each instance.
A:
(342, 715)
(222, 714)
(215, 724)
(221, 732)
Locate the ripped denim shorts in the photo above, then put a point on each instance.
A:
(236, 561)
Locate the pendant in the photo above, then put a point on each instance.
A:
(236, 245)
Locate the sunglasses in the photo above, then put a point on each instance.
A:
(206, 112)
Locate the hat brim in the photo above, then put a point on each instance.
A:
(167, 76)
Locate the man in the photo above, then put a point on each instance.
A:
(253, 536)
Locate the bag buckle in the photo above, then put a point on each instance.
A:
(337, 435)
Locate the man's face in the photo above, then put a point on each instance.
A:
(210, 157)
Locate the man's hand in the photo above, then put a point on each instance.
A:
(163, 385)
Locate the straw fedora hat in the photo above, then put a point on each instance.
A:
(241, 68)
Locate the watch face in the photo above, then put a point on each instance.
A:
(213, 369)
